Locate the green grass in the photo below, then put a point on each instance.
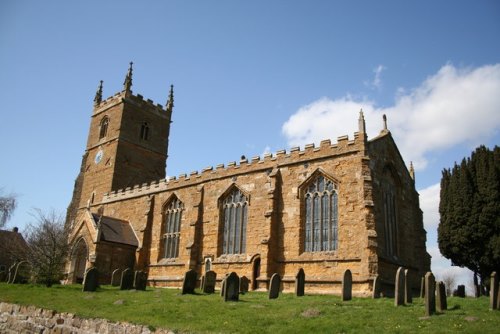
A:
(255, 313)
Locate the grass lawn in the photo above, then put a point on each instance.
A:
(255, 313)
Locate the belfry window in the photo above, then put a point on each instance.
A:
(103, 128)
(234, 212)
(144, 131)
(171, 228)
(321, 215)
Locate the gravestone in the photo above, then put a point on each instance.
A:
(115, 277)
(441, 303)
(408, 291)
(300, 282)
(127, 279)
(460, 291)
(12, 270)
(347, 285)
(274, 286)
(477, 290)
(3, 275)
(202, 283)
(494, 291)
(244, 283)
(140, 280)
(90, 280)
(422, 287)
(376, 287)
(399, 290)
(223, 286)
(189, 283)
(22, 273)
(430, 295)
(232, 287)
(209, 282)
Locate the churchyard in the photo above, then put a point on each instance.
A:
(256, 312)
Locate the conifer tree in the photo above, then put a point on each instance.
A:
(469, 228)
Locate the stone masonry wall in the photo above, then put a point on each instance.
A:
(30, 319)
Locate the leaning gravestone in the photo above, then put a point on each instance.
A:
(347, 285)
(441, 303)
(300, 282)
(376, 287)
(408, 291)
(115, 277)
(209, 282)
(460, 291)
(22, 273)
(399, 292)
(422, 287)
(232, 287)
(127, 279)
(189, 283)
(244, 283)
(223, 286)
(140, 280)
(430, 294)
(90, 280)
(494, 291)
(274, 286)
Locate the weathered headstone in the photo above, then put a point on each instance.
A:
(115, 277)
(127, 279)
(300, 282)
(460, 291)
(376, 287)
(408, 290)
(21, 273)
(209, 282)
(223, 286)
(189, 283)
(494, 291)
(3, 275)
(441, 303)
(244, 283)
(274, 286)
(140, 280)
(347, 285)
(202, 283)
(232, 287)
(422, 287)
(430, 295)
(12, 271)
(399, 287)
(91, 279)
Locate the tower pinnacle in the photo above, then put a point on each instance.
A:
(170, 102)
(98, 95)
(127, 84)
(361, 122)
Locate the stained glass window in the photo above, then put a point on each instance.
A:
(172, 225)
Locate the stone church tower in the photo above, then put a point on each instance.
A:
(347, 205)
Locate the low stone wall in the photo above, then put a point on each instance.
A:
(30, 319)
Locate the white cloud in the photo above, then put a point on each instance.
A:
(429, 203)
(451, 107)
(376, 83)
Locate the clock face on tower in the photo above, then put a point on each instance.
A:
(98, 156)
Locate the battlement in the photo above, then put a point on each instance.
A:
(137, 100)
(280, 158)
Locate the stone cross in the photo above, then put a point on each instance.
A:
(300, 280)
(441, 302)
(347, 285)
(274, 286)
(376, 287)
(430, 296)
(232, 287)
(115, 277)
(494, 291)
(127, 279)
(90, 280)
(399, 292)
(189, 283)
(408, 290)
(209, 282)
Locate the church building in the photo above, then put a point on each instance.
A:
(349, 204)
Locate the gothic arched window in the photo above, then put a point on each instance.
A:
(171, 228)
(234, 212)
(390, 213)
(144, 131)
(103, 127)
(321, 215)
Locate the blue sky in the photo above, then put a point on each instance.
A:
(250, 77)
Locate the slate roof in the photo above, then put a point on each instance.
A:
(13, 247)
(115, 230)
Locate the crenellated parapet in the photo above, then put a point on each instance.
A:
(137, 100)
(267, 162)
